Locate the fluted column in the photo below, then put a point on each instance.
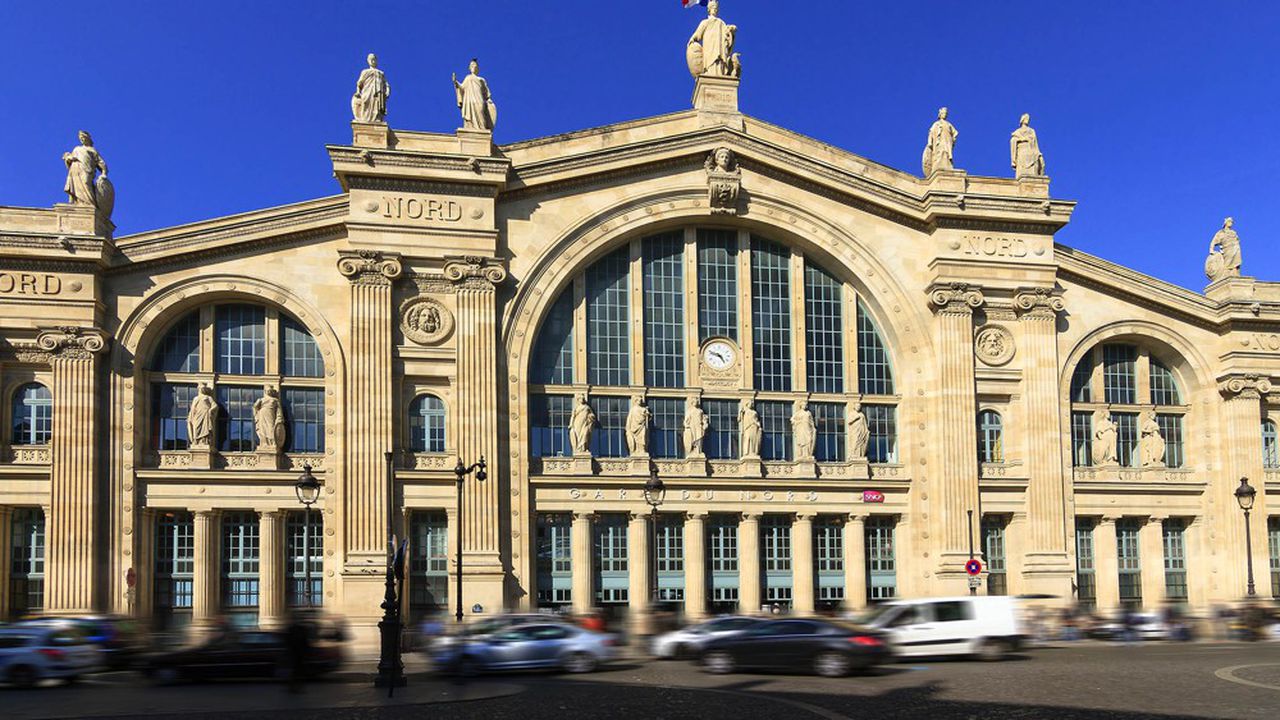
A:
(70, 526)
(1151, 555)
(369, 401)
(802, 585)
(271, 590)
(695, 566)
(144, 565)
(640, 571)
(582, 562)
(1016, 542)
(957, 476)
(205, 602)
(855, 562)
(1241, 446)
(6, 557)
(1106, 564)
(749, 563)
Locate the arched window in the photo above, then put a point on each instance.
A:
(718, 313)
(1270, 453)
(426, 424)
(32, 415)
(990, 437)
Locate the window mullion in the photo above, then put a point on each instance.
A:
(746, 332)
(693, 311)
(850, 328)
(1143, 378)
(207, 339)
(580, 329)
(273, 342)
(635, 287)
(799, 326)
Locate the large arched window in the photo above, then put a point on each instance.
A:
(1137, 393)
(427, 424)
(724, 315)
(990, 437)
(1270, 453)
(32, 415)
(229, 348)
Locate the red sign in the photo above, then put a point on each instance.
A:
(973, 567)
(130, 577)
(872, 496)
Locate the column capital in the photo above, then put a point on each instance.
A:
(955, 297)
(1156, 519)
(72, 342)
(475, 272)
(369, 267)
(859, 517)
(584, 515)
(749, 516)
(1109, 519)
(1248, 386)
(1038, 302)
(805, 516)
(699, 516)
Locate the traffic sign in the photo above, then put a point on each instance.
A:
(973, 567)
(975, 582)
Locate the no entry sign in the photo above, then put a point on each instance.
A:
(973, 567)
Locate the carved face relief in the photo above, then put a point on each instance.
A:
(994, 345)
(425, 321)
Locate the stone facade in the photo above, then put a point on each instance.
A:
(404, 316)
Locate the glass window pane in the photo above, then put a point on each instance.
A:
(174, 564)
(300, 356)
(1086, 592)
(663, 274)
(553, 355)
(1130, 563)
(609, 439)
(882, 574)
(242, 339)
(771, 314)
(240, 561)
(990, 437)
(875, 377)
(179, 351)
(1270, 451)
(1171, 431)
(26, 561)
(429, 561)
(721, 441)
(170, 404)
(555, 559)
(775, 423)
(1164, 389)
(882, 426)
(829, 419)
(549, 425)
(304, 419)
(993, 531)
(1080, 379)
(32, 415)
(426, 424)
(1126, 439)
(1082, 439)
(1175, 559)
(717, 284)
(666, 427)
(236, 431)
(824, 331)
(608, 320)
(303, 547)
(1119, 374)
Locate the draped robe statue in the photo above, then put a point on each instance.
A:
(1224, 253)
(478, 110)
(268, 420)
(749, 430)
(1153, 444)
(696, 423)
(202, 418)
(1104, 438)
(859, 433)
(939, 152)
(83, 164)
(710, 48)
(369, 103)
(1024, 150)
(581, 423)
(638, 426)
(804, 431)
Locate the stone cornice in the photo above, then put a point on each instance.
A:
(68, 341)
(475, 272)
(1093, 272)
(1039, 302)
(1247, 386)
(369, 267)
(955, 297)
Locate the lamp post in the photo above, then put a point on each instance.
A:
(308, 489)
(1245, 495)
(462, 471)
(654, 492)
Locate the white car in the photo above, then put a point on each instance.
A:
(687, 642)
(31, 653)
(984, 626)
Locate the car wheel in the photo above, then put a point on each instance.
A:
(719, 662)
(991, 650)
(682, 652)
(23, 676)
(580, 662)
(165, 675)
(831, 664)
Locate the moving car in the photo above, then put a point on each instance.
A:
(118, 639)
(986, 626)
(528, 647)
(489, 626)
(32, 652)
(828, 648)
(688, 642)
(1146, 626)
(249, 654)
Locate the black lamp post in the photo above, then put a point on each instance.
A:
(654, 492)
(462, 471)
(1245, 495)
(390, 667)
(308, 489)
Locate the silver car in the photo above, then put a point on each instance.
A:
(529, 647)
(687, 642)
(31, 653)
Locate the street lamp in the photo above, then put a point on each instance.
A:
(308, 489)
(1245, 495)
(462, 471)
(654, 492)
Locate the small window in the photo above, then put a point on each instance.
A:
(32, 415)
(1270, 452)
(952, 611)
(990, 437)
(426, 424)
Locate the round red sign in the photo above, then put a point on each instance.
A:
(973, 567)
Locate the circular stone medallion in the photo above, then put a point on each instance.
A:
(994, 345)
(425, 321)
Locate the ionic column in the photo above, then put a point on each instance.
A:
(271, 590)
(205, 603)
(582, 562)
(640, 577)
(1242, 458)
(369, 401)
(749, 563)
(70, 526)
(958, 472)
(855, 562)
(6, 557)
(1106, 564)
(1151, 555)
(802, 585)
(695, 567)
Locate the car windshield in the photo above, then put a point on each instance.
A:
(874, 615)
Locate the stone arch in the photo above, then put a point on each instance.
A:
(1184, 359)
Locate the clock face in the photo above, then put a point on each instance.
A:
(719, 355)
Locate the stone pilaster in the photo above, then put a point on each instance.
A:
(1151, 555)
(957, 476)
(71, 525)
(695, 566)
(6, 557)
(580, 550)
(1242, 458)
(1106, 564)
(206, 573)
(855, 562)
(749, 563)
(142, 601)
(271, 590)
(802, 584)
(640, 572)
(371, 404)
(1015, 551)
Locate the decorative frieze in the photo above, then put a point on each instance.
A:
(29, 455)
(369, 267)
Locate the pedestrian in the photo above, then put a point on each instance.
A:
(297, 647)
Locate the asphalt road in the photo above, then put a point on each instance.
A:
(1080, 681)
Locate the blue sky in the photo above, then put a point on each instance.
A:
(1158, 117)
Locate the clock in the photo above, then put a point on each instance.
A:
(719, 354)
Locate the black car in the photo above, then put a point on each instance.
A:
(252, 654)
(831, 649)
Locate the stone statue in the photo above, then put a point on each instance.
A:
(749, 429)
(83, 164)
(696, 423)
(478, 110)
(939, 153)
(581, 423)
(1104, 438)
(710, 49)
(369, 103)
(1153, 444)
(1024, 150)
(1224, 253)
(202, 418)
(803, 431)
(268, 419)
(724, 181)
(638, 426)
(859, 433)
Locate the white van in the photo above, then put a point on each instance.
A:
(983, 626)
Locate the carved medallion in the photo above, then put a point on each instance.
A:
(994, 345)
(425, 321)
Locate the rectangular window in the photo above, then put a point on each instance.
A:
(882, 573)
(609, 439)
(666, 427)
(993, 549)
(1081, 439)
(304, 419)
(829, 419)
(721, 441)
(1086, 584)
(1171, 431)
(775, 423)
(26, 562)
(722, 547)
(1120, 374)
(240, 565)
(875, 377)
(299, 356)
(1164, 389)
(1173, 532)
(608, 319)
(828, 557)
(775, 544)
(300, 549)
(429, 561)
(170, 404)
(1270, 451)
(670, 558)
(549, 425)
(553, 354)
(236, 433)
(1126, 439)
(883, 429)
(174, 567)
(612, 581)
(771, 315)
(1130, 563)
(824, 331)
(717, 284)
(1273, 545)
(242, 339)
(663, 274)
(555, 559)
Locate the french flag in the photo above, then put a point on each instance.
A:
(693, 3)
